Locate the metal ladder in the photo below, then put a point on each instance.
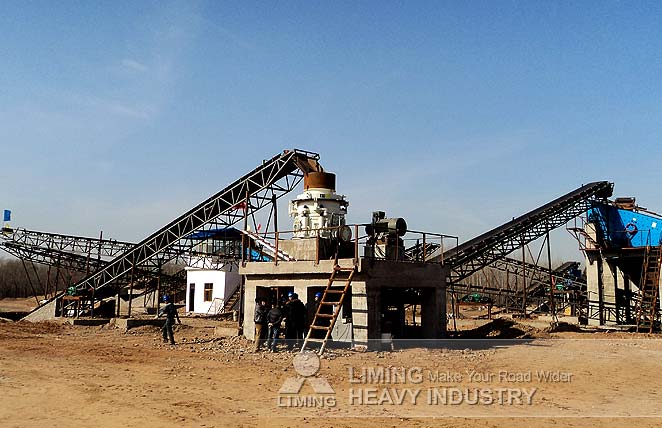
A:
(322, 320)
(649, 288)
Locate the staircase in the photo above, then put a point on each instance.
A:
(648, 289)
(331, 298)
(232, 299)
(268, 247)
(578, 233)
(417, 253)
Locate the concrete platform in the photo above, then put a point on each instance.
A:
(127, 323)
(87, 321)
(44, 312)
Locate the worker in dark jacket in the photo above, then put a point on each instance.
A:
(261, 313)
(170, 312)
(274, 318)
(311, 306)
(295, 322)
(311, 309)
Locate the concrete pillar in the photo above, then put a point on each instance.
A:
(429, 314)
(433, 317)
(593, 283)
(249, 309)
(441, 309)
(360, 313)
(374, 316)
(624, 297)
(609, 285)
(302, 291)
(593, 280)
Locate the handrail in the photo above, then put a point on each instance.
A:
(273, 240)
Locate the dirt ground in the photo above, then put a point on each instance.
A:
(54, 373)
(19, 305)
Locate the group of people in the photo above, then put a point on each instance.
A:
(269, 321)
(293, 313)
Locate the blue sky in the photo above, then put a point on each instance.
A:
(457, 116)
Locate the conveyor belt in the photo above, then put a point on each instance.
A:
(485, 249)
(85, 254)
(274, 177)
(73, 262)
(97, 247)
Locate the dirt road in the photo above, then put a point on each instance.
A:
(54, 374)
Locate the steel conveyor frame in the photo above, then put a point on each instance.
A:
(255, 190)
(496, 244)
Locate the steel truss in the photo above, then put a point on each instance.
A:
(496, 244)
(535, 274)
(508, 291)
(85, 254)
(74, 262)
(257, 189)
(69, 244)
(55, 258)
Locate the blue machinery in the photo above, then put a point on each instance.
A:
(630, 240)
(621, 228)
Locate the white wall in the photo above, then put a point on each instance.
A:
(224, 285)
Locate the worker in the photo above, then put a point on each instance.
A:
(274, 318)
(261, 312)
(295, 321)
(311, 309)
(170, 311)
(312, 306)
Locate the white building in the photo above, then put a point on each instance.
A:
(210, 278)
(207, 289)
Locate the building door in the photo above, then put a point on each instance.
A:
(191, 297)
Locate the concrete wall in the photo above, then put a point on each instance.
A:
(300, 249)
(429, 277)
(44, 313)
(367, 287)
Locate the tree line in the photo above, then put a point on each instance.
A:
(19, 279)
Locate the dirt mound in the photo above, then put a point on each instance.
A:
(563, 327)
(25, 329)
(43, 327)
(504, 328)
(144, 329)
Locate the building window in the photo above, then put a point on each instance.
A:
(209, 291)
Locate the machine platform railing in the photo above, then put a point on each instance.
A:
(346, 242)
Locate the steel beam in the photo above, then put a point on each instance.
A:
(496, 244)
(277, 176)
